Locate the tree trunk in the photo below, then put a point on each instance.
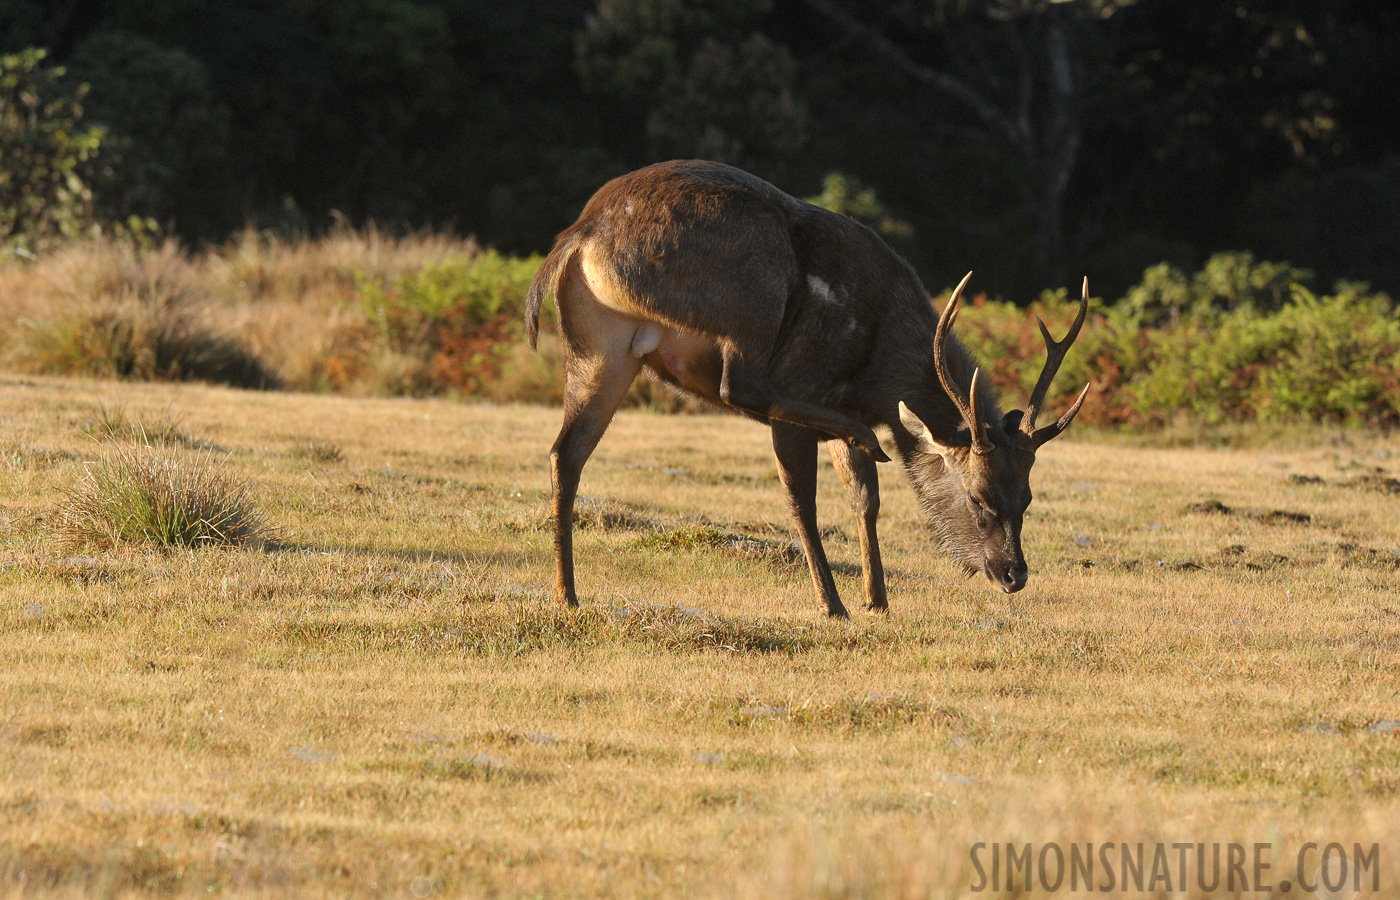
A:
(1054, 159)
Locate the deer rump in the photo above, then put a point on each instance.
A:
(688, 265)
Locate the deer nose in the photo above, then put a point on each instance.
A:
(1012, 579)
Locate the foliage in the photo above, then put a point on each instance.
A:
(1328, 359)
(458, 314)
(849, 196)
(46, 154)
(363, 312)
(1227, 282)
(1031, 141)
(137, 341)
(469, 290)
(712, 86)
(167, 136)
(1301, 357)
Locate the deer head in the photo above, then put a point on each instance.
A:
(975, 489)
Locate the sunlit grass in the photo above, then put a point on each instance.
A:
(386, 701)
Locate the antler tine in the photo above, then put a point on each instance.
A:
(1054, 355)
(967, 406)
(1051, 431)
(979, 432)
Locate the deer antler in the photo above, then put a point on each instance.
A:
(967, 406)
(1054, 355)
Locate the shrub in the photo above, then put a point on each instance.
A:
(459, 315)
(1228, 282)
(124, 311)
(848, 196)
(366, 312)
(142, 494)
(138, 342)
(1324, 359)
(1234, 350)
(46, 154)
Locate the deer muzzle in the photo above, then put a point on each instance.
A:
(1010, 577)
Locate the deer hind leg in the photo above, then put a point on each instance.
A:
(594, 388)
(744, 385)
(795, 448)
(599, 368)
(862, 480)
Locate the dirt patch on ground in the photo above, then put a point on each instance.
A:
(1376, 480)
(1272, 516)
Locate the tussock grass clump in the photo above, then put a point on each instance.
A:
(127, 337)
(113, 309)
(143, 494)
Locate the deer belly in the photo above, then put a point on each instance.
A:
(687, 360)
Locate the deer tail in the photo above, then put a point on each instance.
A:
(546, 281)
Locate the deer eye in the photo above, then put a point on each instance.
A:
(984, 515)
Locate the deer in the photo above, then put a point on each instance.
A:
(727, 289)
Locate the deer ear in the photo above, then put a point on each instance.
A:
(915, 426)
(1011, 422)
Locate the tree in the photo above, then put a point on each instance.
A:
(1017, 74)
(167, 136)
(708, 83)
(46, 154)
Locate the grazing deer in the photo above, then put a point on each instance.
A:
(728, 289)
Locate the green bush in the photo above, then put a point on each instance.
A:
(458, 318)
(1325, 359)
(1241, 340)
(46, 154)
(1228, 282)
(458, 294)
(1227, 344)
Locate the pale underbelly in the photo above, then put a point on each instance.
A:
(683, 358)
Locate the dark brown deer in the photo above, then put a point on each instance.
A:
(728, 289)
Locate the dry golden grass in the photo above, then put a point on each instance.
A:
(386, 704)
(288, 309)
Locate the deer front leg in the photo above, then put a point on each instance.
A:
(862, 480)
(744, 385)
(795, 448)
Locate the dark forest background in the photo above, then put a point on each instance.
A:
(1031, 141)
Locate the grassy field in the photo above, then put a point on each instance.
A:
(382, 701)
